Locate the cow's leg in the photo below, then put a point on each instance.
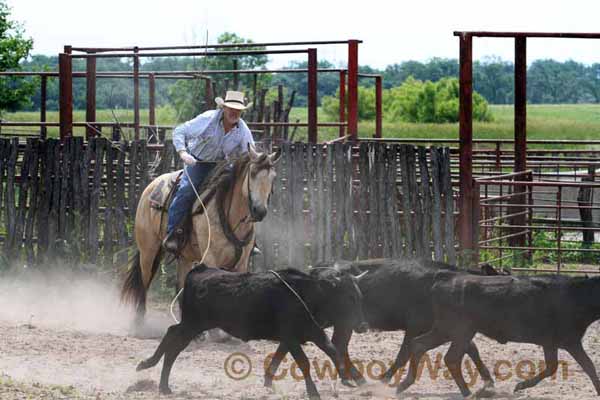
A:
(341, 338)
(401, 358)
(551, 358)
(453, 360)
(473, 352)
(276, 360)
(578, 353)
(417, 348)
(322, 341)
(176, 339)
(304, 365)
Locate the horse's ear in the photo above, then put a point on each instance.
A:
(252, 152)
(274, 157)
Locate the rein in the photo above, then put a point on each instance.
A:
(228, 231)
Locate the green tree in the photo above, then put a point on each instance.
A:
(414, 101)
(187, 96)
(14, 47)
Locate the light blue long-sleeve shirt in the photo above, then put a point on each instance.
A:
(205, 138)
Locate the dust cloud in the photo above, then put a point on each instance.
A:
(64, 299)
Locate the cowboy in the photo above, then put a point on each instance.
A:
(212, 136)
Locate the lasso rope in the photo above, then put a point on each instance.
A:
(207, 244)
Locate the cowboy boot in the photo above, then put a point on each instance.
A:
(173, 240)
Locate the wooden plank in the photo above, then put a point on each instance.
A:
(85, 183)
(328, 184)
(349, 196)
(24, 185)
(299, 218)
(388, 199)
(77, 205)
(45, 197)
(406, 206)
(93, 234)
(426, 201)
(339, 200)
(398, 244)
(11, 211)
(53, 218)
(415, 201)
(109, 204)
(363, 201)
(373, 201)
(449, 206)
(33, 201)
(144, 177)
(436, 208)
(311, 196)
(120, 204)
(382, 221)
(64, 191)
(320, 206)
(133, 167)
(4, 150)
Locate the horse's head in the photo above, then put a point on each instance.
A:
(259, 184)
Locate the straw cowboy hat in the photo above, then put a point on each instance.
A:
(233, 99)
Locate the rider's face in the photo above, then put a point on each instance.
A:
(231, 115)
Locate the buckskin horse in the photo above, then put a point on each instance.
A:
(235, 198)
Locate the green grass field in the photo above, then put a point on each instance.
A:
(569, 121)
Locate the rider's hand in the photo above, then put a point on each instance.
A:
(187, 158)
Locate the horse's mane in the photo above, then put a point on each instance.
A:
(223, 176)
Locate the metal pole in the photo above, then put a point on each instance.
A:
(342, 102)
(152, 105)
(520, 104)
(90, 109)
(65, 79)
(236, 81)
(466, 142)
(43, 96)
(520, 163)
(378, 113)
(353, 89)
(136, 93)
(312, 96)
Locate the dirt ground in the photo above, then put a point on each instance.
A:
(69, 340)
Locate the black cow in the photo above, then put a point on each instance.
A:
(288, 306)
(396, 296)
(551, 311)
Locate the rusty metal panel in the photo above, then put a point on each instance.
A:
(342, 102)
(466, 143)
(65, 95)
(353, 88)
(312, 96)
(90, 105)
(136, 94)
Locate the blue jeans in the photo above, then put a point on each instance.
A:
(184, 197)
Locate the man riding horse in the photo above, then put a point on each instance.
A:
(201, 142)
(219, 229)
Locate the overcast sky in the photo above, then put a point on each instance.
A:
(392, 31)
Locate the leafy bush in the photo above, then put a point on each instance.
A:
(414, 101)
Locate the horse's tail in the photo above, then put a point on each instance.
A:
(133, 290)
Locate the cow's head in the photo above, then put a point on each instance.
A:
(345, 302)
